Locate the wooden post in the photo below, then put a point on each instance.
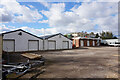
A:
(1, 47)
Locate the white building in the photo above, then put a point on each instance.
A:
(74, 34)
(19, 40)
(111, 42)
(56, 41)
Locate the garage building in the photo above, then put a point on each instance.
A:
(56, 41)
(110, 42)
(82, 41)
(20, 40)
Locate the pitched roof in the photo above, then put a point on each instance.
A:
(42, 37)
(23, 31)
(85, 38)
(49, 36)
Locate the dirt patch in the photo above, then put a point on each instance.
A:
(93, 62)
(89, 62)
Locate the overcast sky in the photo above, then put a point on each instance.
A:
(59, 17)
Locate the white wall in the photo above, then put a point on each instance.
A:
(21, 41)
(45, 44)
(58, 42)
(108, 41)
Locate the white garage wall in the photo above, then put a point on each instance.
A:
(59, 42)
(93, 43)
(45, 45)
(21, 41)
(82, 43)
(88, 43)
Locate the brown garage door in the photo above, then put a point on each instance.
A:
(91, 42)
(85, 42)
(95, 42)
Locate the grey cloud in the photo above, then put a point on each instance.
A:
(6, 18)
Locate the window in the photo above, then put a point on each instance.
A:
(20, 33)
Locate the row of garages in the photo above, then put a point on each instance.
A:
(89, 42)
(20, 40)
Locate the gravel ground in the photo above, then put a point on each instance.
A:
(87, 62)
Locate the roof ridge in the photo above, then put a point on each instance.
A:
(23, 31)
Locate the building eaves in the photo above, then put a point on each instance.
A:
(23, 31)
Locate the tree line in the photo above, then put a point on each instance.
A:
(102, 35)
(106, 35)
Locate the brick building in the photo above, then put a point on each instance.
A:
(83, 41)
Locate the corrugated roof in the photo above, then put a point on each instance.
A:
(42, 37)
(84, 38)
(23, 31)
(49, 36)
